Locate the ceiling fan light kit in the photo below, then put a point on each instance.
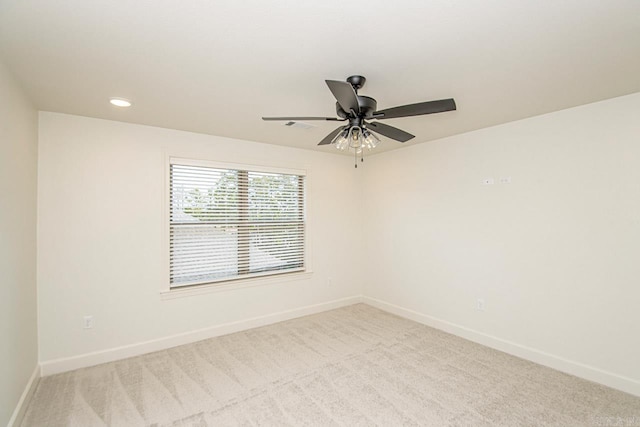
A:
(355, 138)
(359, 110)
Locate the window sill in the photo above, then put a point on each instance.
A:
(238, 284)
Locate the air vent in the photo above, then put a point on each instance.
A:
(299, 125)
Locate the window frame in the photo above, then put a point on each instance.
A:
(168, 292)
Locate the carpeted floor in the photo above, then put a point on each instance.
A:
(352, 366)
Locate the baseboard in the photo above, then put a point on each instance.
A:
(591, 373)
(21, 407)
(56, 366)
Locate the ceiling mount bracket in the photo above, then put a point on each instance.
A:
(357, 82)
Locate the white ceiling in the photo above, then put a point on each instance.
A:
(216, 67)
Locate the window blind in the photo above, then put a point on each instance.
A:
(227, 224)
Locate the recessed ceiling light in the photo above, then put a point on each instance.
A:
(120, 102)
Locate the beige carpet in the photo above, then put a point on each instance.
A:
(352, 366)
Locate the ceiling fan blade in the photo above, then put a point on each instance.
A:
(390, 131)
(327, 139)
(344, 94)
(418, 109)
(332, 119)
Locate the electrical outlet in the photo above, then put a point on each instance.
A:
(488, 181)
(87, 322)
(480, 304)
(505, 180)
(329, 281)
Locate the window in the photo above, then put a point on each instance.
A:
(228, 224)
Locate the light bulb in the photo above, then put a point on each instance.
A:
(341, 140)
(370, 140)
(355, 137)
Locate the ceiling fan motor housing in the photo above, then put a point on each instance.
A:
(367, 107)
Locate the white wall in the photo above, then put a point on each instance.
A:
(18, 167)
(554, 254)
(101, 234)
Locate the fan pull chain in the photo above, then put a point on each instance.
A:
(355, 152)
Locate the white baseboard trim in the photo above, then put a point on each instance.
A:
(56, 366)
(591, 373)
(21, 407)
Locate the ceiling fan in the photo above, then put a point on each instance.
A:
(359, 110)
